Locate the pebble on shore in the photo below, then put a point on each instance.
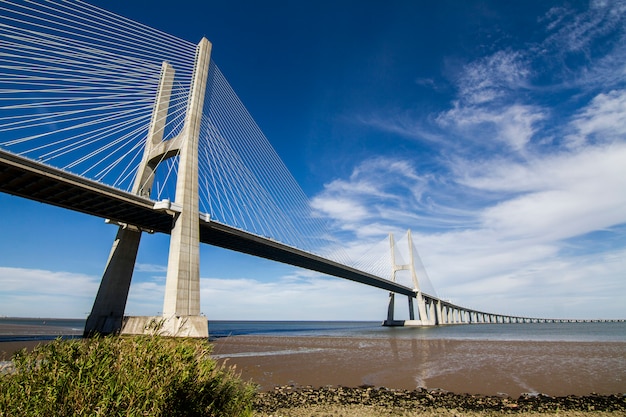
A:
(289, 396)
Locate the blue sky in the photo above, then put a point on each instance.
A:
(496, 131)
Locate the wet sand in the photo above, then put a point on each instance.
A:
(7, 349)
(507, 368)
(31, 335)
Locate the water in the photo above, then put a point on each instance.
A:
(19, 329)
(490, 359)
(26, 329)
(591, 332)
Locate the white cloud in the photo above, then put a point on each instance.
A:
(572, 32)
(585, 49)
(373, 187)
(145, 297)
(139, 267)
(403, 123)
(508, 218)
(513, 125)
(492, 77)
(603, 120)
(41, 293)
(555, 196)
(299, 296)
(512, 255)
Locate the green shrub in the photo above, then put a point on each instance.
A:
(119, 376)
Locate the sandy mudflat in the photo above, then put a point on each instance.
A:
(7, 349)
(30, 333)
(491, 368)
(506, 368)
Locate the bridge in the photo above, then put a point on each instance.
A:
(107, 117)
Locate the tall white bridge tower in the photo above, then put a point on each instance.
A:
(181, 305)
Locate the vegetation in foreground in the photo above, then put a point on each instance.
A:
(123, 376)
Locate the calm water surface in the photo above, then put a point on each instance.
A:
(12, 329)
(596, 332)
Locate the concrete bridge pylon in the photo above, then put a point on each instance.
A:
(424, 319)
(181, 306)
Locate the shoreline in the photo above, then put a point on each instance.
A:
(274, 356)
(479, 367)
(7, 349)
(372, 401)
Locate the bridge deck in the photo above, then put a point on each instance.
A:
(29, 179)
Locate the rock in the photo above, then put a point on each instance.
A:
(290, 396)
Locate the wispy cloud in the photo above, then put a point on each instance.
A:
(41, 293)
(569, 31)
(404, 123)
(139, 267)
(530, 169)
(385, 191)
(492, 77)
(513, 125)
(299, 296)
(602, 121)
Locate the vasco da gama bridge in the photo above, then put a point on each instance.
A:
(105, 116)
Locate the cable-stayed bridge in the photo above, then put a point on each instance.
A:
(105, 116)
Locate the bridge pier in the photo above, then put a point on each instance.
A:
(181, 306)
(182, 286)
(424, 319)
(107, 313)
(391, 321)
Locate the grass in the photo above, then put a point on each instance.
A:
(123, 376)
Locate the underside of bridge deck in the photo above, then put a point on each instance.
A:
(25, 178)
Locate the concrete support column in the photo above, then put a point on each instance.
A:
(421, 306)
(182, 286)
(108, 308)
(390, 313)
(430, 310)
(391, 307)
(107, 313)
(181, 305)
(438, 312)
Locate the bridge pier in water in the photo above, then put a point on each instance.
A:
(427, 310)
(437, 312)
(427, 315)
(181, 305)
